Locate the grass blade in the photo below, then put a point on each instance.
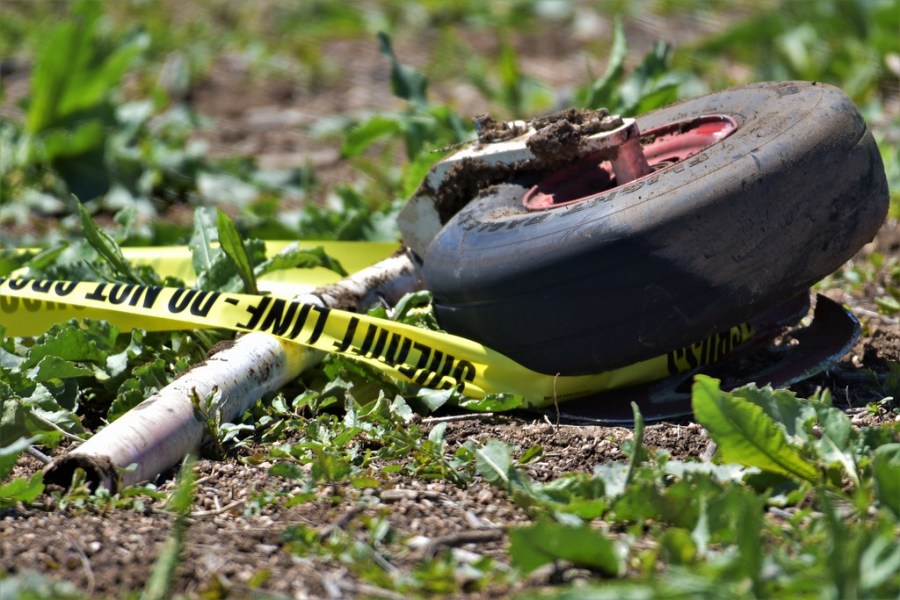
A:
(637, 450)
(535, 545)
(886, 468)
(406, 82)
(233, 246)
(107, 247)
(163, 575)
(602, 91)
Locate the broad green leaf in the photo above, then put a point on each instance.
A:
(54, 144)
(21, 489)
(233, 246)
(410, 301)
(643, 81)
(494, 462)
(613, 475)
(365, 482)
(54, 367)
(288, 470)
(880, 561)
(401, 409)
(431, 400)
(745, 434)
(782, 406)
(10, 454)
(96, 82)
(886, 470)
(9, 360)
(678, 546)
(29, 408)
(71, 341)
(417, 130)
(535, 545)
(224, 188)
(661, 94)
(294, 257)
(70, 117)
(437, 432)
(492, 403)
(367, 133)
(330, 466)
(586, 510)
(214, 268)
(205, 234)
(834, 443)
(726, 473)
(145, 380)
(11, 259)
(13, 386)
(55, 418)
(572, 494)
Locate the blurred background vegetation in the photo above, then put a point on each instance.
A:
(299, 120)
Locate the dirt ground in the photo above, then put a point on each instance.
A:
(105, 553)
(229, 546)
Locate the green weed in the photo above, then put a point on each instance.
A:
(739, 521)
(796, 502)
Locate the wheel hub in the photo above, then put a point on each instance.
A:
(625, 155)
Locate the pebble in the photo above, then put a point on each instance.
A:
(484, 496)
(397, 494)
(473, 521)
(418, 542)
(266, 548)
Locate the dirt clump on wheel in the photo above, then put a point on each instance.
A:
(555, 143)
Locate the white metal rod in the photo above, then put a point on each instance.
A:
(158, 433)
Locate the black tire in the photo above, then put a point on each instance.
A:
(751, 221)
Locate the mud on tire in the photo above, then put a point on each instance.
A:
(689, 250)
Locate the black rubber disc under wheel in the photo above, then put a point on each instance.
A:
(670, 258)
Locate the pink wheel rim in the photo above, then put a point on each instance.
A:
(663, 147)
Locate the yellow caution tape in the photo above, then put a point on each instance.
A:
(175, 261)
(428, 358)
